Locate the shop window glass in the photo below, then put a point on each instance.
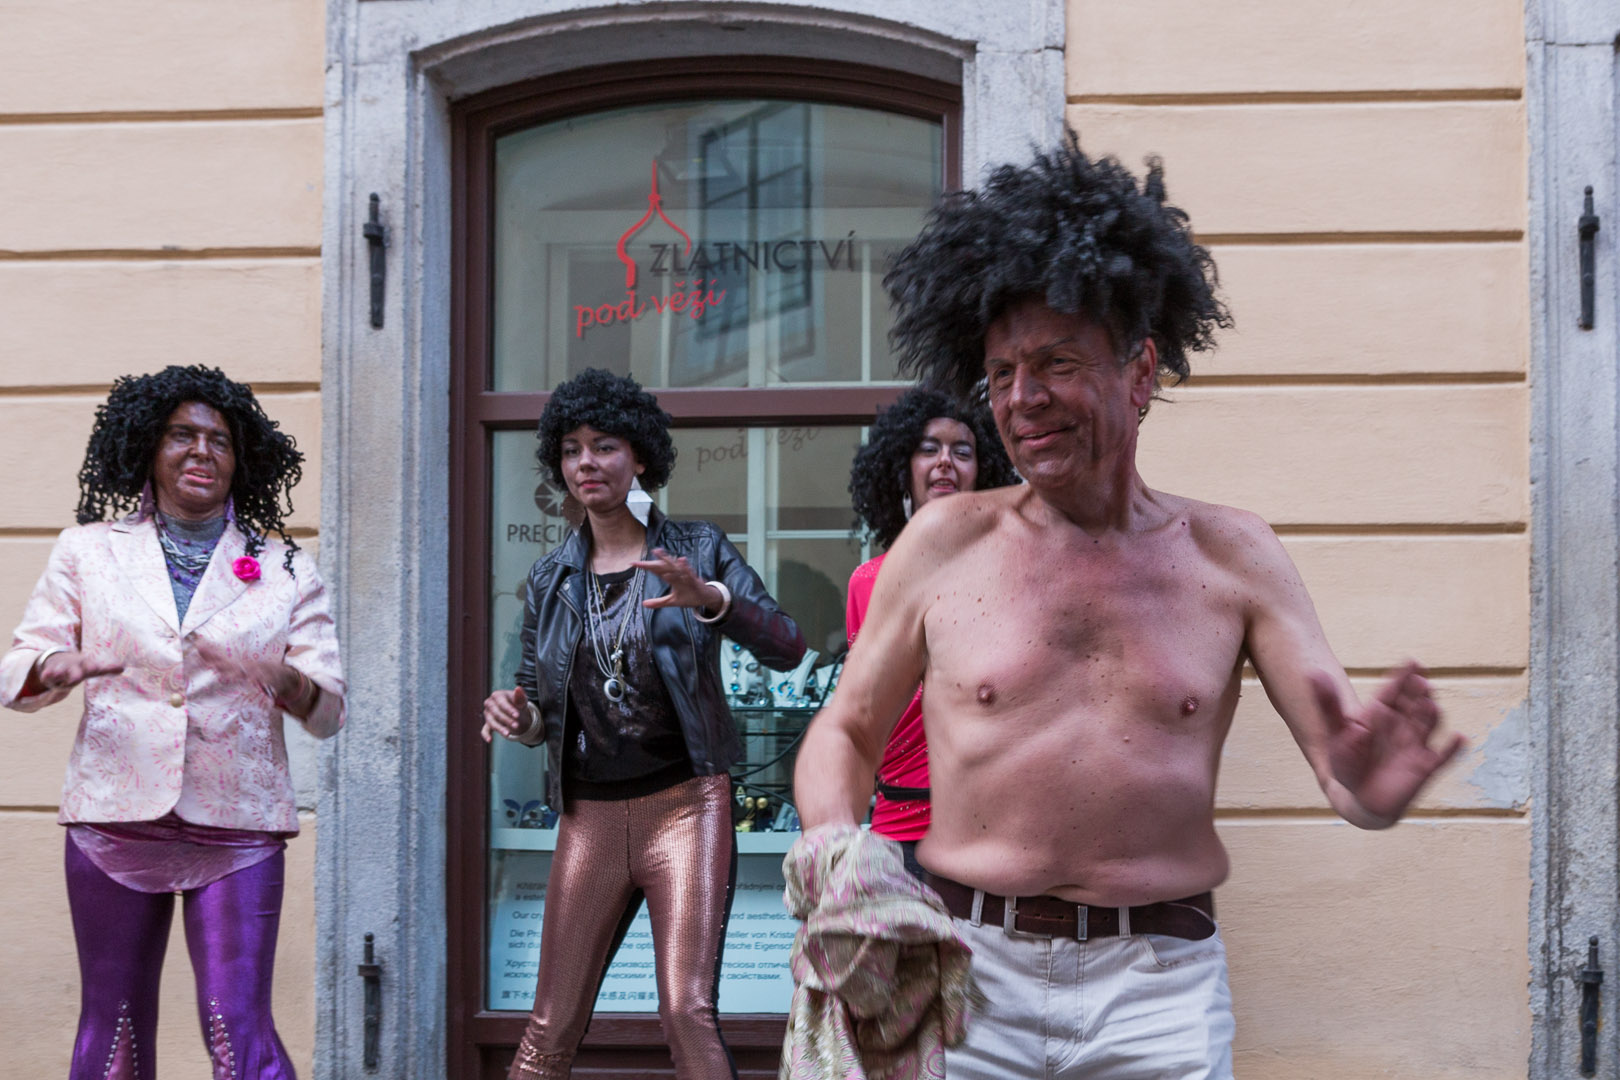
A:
(705, 244)
(708, 244)
(779, 494)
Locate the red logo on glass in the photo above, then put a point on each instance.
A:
(690, 297)
(655, 208)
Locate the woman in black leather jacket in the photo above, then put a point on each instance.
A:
(620, 677)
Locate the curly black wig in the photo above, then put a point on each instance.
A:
(1076, 233)
(882, 470)
(118, 460)
(614, 405)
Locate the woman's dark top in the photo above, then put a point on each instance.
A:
(684, 652)
(635, 739)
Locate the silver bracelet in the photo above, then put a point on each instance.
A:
(535, 723)
(725, 605)
(39, 662)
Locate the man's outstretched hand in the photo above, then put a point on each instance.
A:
(1380, 751)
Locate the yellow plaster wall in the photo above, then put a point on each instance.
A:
(1358, 171)
(160, 204)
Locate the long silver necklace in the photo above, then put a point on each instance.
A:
(610, 661)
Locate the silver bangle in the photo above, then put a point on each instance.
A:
(535, 723)
(39, 662)
(725, 604)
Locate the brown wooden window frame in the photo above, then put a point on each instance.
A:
(479, 1038)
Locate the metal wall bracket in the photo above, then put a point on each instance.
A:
(371, 972)
(1590, 978)
(377, 240)
(1588, 227)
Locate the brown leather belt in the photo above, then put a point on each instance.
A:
(1192, 918)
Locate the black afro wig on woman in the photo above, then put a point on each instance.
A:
(614, 405)
(882, 470)
(1079, 235)
(118, 460)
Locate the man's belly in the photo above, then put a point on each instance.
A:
(1112, 826)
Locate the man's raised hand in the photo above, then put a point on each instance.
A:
(1380, 752)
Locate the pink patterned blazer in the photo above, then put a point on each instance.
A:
(171, 732)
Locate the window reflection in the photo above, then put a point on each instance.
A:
(710, 243)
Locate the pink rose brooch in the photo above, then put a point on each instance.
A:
(246, 568)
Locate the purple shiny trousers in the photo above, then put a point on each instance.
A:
(122, 934)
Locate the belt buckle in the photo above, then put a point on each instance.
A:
(1009, 916)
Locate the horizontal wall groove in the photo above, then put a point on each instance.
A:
(1311, 815)
(162, 116)
(1250, 676)
(1480, 672)
(1303, 97)
(100, 389)
(19, 532)
(1401, 530)
(158, 254)
(1348, 379)
(1292, 239)
(12, 532)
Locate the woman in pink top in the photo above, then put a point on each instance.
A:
(925, 446)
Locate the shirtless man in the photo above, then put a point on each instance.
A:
(1081, 640)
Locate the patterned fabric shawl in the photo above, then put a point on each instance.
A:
(883, 982)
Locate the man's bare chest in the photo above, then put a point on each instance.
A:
(1159, 622)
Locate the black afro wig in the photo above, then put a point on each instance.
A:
(614, 405)
(118, 460)
(882, 470)
(1078, 234)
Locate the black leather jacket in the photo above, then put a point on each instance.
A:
(686, 651)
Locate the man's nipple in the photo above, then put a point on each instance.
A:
(1189, 705)
(987, 694)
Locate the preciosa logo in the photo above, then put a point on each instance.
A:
(548, 500)
(693, 293)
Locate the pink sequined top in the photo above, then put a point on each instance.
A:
(905, 758)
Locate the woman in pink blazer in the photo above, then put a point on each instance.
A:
(193, 632)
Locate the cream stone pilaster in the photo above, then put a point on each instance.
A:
(1575, 625)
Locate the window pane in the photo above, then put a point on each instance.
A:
(707, 243)
(812, 576)
(710, 481)
(775, 488)
(525, 522)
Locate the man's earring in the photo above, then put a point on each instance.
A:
(905, 504)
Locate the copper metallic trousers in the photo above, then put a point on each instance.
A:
(676, 849)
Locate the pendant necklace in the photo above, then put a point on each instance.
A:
(610, 662)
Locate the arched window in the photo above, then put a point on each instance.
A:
(718, 228)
